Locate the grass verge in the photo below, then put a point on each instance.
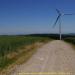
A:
(70, 40)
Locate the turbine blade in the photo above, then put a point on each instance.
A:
(58, 11)
(56, 21)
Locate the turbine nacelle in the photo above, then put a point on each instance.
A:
(62, 14)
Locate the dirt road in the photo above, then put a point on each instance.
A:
(54, 58)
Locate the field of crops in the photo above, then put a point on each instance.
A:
(9, 44)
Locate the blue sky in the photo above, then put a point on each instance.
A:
(35, 16)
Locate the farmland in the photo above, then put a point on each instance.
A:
(14, 44)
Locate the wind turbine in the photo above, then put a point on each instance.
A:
(58, 19)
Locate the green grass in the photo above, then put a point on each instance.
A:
(70, 40)
(12, 44)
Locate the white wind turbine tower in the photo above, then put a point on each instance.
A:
(58, 19)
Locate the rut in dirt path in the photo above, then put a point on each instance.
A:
(55, 56)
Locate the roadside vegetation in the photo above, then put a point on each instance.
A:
(70, 40)
(13, 47)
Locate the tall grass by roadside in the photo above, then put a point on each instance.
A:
(10, 44)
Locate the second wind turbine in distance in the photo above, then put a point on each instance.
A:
(58, 19)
